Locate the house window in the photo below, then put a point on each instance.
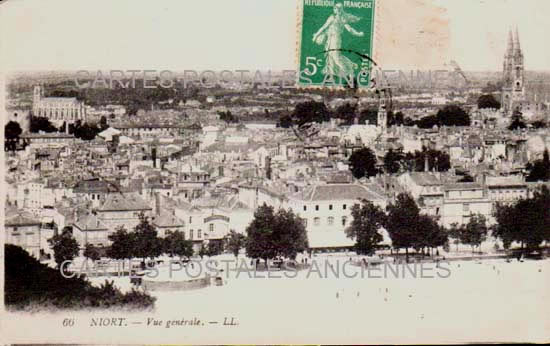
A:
(330, 207)
(305, 208)
(330, 220)
(305, 222)
(465, 207)
(199, 234)
(344, 220)
(211, 227)
(191, 234)
(316, 208)
(190, 219)
(344, 207)
(316, 221)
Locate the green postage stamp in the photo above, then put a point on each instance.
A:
(336, 43)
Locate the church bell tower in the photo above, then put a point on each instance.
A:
(513, 89)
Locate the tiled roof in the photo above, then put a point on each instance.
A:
(462, 186)
(91, 185)
(90, 222)
(425, 178)
(124, 202)
(21, 220)
(338, 192)
(167, 219)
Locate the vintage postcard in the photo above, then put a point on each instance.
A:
(275, 172)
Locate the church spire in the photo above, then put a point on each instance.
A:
(510, 41)
(517, 46)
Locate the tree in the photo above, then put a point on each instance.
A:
(475, 231)
(526, 222)
(235, 242)
(121, 244)
(103, 123)
(367, 220)
(146, 243)
(467, 178)
(363, 163)
(214, 248)
(402, 222)
(453, 115)
(346, 112)
(41, 124)
(392, 161)
(85, 131)
(12, 131)
(487, 101)
(290, 235)
(228, 117)
(64, 246)
(91, 252)
(396, 118)
(62, 127)
(175, 244)
(539, 124)
(370, 115)
(310, 111)
(272, 234)
(454, 232)
(517, 121)
(427, 122)
(429, 234)
(540, 169)
(438, 160)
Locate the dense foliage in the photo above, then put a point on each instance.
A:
(488, 101)
(272, 234)
(364, 229)
(30, 285)
(526, 222)
(362, 163)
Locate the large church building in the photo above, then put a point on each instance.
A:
(513, 89)
(57, 108)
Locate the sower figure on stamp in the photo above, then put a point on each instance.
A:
(330, 34)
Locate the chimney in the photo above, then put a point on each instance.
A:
(268, 167)
(157, 203)
(426, 163)
(154, 156)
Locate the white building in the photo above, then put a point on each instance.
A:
(326, 211)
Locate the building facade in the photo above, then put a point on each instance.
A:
(57, 108)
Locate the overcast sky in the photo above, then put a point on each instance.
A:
(231, 34)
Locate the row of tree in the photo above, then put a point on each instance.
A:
(142, 243)
(317, 112)
(407, 228)
(363, 162)
(282, 233)
(526, 222)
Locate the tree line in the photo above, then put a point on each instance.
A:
(363, 162)
(526, 222)
(317, 112)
